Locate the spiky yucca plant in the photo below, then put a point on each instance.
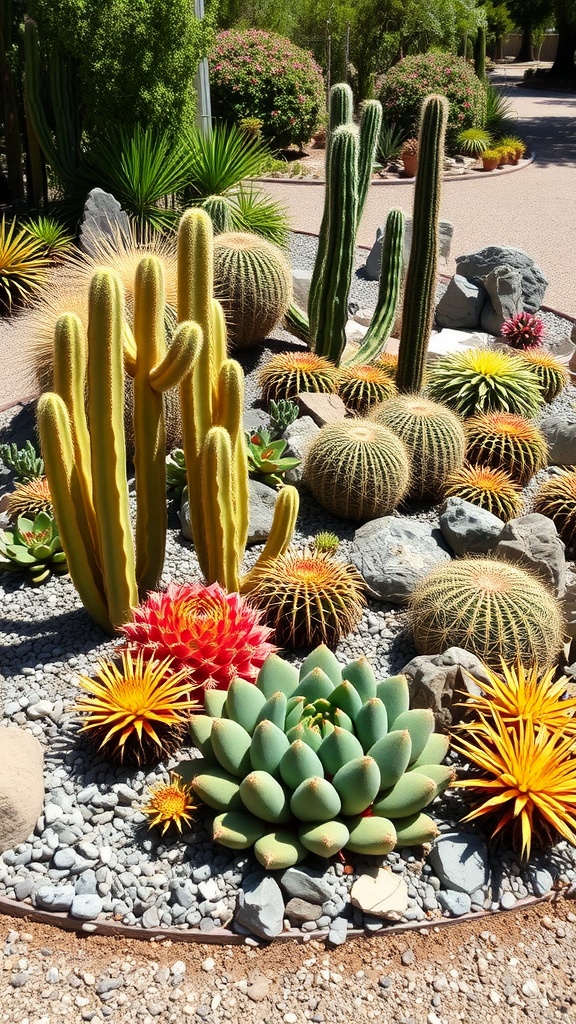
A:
(481, 380)
(494, 609)
(29, 499)
(474, 141)
(502, 440)
(357, 469)
(549, 372)
(53, 236)
(519, 692)
(528, 774)
(290, 373)
(523, 331)
(556, 498)
(360, 387)
(433, 435)
(308, 597)
(169, 804)
(491, 489)
(210, 635)
(136, 713)
(23, 266)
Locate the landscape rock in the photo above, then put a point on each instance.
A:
(338, 931)
(299, 436)
(381, 893)
(460, 859)
(261, 512)
(461, 304)
(438, 681)
(374, 258)
(560, 433)
(260, 906)
(21, 785)
(478, 265)
(301, 280)
(468, 528)
(103, 215)
(57, 898)
(393, 554)
(457, 903)
(86, 906)
(302, 910)
(532, 541)
(504, 289)
(307, 885)
(322, 408)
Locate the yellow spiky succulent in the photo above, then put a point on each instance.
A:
(136, 712)
(490, 489)
(28, 499)
(170, 804)
(520, 692)
(480, 380)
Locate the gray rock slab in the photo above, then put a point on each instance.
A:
(393, 554)
(302, 910)
(301, 280)
(532, 541)
(478, 265)
(306, 884)
(460, 859)
(261, 906)
(322, 408)
(103, 215)
(374, 259)
(504, 289)
(560, 433)
(53, 897)
(460, 306)
(338, 931)
(438, 681)
(299, 436)
(469, 529)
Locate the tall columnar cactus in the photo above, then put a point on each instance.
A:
(388, 292)
(420, 287)
(85, 456)
(480, 53)
(317, 760)
(61, 147)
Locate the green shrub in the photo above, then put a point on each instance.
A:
(262, 75)
(412, 79)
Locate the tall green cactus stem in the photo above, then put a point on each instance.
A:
(420, 289)
(370, 125)
(480, 53)
(388, 292)
(332, 299)
(9, 108)
(61, 150)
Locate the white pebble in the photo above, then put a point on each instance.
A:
(208, 964)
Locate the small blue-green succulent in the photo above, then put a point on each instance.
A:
(33, 547)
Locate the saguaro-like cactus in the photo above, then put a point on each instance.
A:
(61, 147)
(420, 288)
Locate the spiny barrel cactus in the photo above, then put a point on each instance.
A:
(253, 281)
(556, 498)
(552, 377)
(357, 469)
(504, 441)
(317, 760)
(289, 373)
(360, 387)
(491, 489)
(433, 435)
(493, 609)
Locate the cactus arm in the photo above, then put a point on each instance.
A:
(420, 288)
(283, 525)
(60, 157)
(179, 359)
(230, 408)
(60, 463)
(389, 289)
(219, 337)
(219, 512)
(129, 349)
(105, 416)
(370, 124)
(330, 338)
(297, 323)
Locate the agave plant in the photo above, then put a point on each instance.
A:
(481, 380)
(474, 141)
(500, 117)
(23, 265)
(53, 236)
(315, 761)
(250, 210)
(265, 461)
(33, 547)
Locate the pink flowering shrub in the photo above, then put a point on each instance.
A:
(263, 75)
(406, 85)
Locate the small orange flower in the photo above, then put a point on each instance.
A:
(170, 804)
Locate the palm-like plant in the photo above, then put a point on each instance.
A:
(53, 236)
(500, 118)
(23, 265)
(474, 141)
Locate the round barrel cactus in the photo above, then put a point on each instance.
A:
(316, 760)
(253, 281)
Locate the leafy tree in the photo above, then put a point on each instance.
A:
(498, 24)
(565, 12)
(530, 15)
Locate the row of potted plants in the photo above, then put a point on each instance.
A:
(472, 142)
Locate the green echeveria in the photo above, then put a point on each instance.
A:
(33, 547)
(316, 761)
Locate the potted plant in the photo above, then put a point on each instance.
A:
(490, 159)
(507, 154)
(409, 154)
(473, 141)
(515, 147)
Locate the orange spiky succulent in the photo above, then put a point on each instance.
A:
(528, 774)
(491, 489)
(289, 373)
(502, 440)
(211, 635)
(556, 498)
(360, 387)
(520, 692)
(29, 499)
(136, 713)
(551, 375)
(170, 804)
(308, 597)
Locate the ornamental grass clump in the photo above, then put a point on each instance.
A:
(556, 498)
(490, 489)
(308, 597)
(504, 441)
(552, 377)
(493, 609)
(209, 635)
(290, 373)
(317, 760)
(23, 266)
(481, 380)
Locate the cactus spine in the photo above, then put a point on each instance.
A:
(420, 288)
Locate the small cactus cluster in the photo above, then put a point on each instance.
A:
(253, 281)
(504, 441)
(433, 435)
(556, 498)
(523, 331)
(316, 761)
(488, 488)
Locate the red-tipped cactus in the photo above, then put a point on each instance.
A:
(523, 331)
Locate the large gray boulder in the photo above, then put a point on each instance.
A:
(460, 307)
(469, 530)
(21, 785)
(374, 259)
(299, 436)
(560, 434)
(103, 216)
(393, 554)
(504, 288)
(477, 266)
(532, 541)
(439, 681)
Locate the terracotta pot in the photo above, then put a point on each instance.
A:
(490, 163)
(410, 161)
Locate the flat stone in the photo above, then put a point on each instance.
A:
(532, 541)
(542, 880)
(478, 265)
(41, 709)
(321, 408)
(461, 304)
(469, 529)
(299, 436)
(374, 259)
(54, 897)
(460, 859)
(21, 785)
(393, 554)
(302, 910)
(151, 918)
(560, 433)
(438, 682)
(306, 884)
(259, 989)
(338, 931)
(504, 289)
(261, 906)
(457, 903)
(86, 906)
(381, 893)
